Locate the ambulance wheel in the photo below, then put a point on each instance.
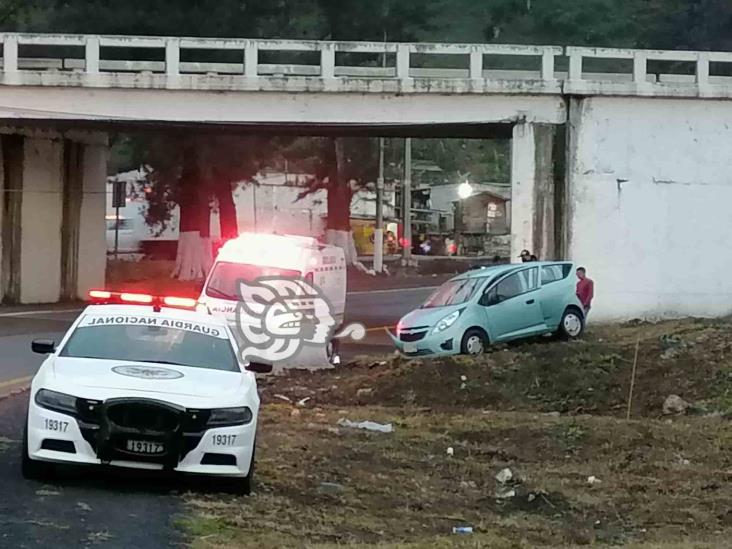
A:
(32, 469)
(331, 351)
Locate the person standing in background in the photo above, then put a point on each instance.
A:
(585, 290)
(526, 256)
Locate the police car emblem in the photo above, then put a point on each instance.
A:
(147, 372)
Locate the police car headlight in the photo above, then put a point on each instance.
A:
(58, 402)
(223, 417)
(446, 322)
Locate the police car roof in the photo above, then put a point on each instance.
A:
(147, 310)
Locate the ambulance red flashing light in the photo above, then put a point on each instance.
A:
(105, 297)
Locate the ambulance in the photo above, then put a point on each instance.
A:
(255, 256)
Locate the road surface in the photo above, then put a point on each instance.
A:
(375, 309)
(101, 509)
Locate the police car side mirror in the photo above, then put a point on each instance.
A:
(259, 368)
(43, 346)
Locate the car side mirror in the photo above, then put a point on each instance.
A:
(259, 368)
(43, 346)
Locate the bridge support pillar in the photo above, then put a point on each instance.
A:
(53, 206)
(532, 190)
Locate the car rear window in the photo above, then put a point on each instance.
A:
(194, 345)
(553, 273)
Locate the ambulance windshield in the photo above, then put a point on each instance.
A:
(224, 280)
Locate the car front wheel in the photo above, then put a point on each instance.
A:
(245, 484)
(572, 324)
(473, 343)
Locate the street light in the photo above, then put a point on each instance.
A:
(465, 190)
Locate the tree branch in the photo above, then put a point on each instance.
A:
(314, 184)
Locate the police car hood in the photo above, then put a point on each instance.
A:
(144, 377)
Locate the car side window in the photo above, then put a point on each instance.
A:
(511, 286)
(531, 278)
(551, 273)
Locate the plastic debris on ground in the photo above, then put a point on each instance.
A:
(367, 425)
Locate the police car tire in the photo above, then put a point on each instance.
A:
(245, 486)
(30, 468)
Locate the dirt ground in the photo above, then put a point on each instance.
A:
(551, 412)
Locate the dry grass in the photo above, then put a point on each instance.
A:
(553, 412)
(661, 483)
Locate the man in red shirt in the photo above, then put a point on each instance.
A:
(585, 290)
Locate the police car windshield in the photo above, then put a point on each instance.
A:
(224, 280)
(163, 341)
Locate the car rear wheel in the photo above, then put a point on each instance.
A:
(30, 468)
(572, 324)
(474, 342)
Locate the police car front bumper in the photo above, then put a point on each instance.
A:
(63, 438)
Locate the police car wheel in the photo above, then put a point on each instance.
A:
(245, 484)
(30, 468)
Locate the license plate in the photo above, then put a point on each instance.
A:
(144, 447)
(410, 347)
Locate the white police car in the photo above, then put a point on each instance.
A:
(141, 382)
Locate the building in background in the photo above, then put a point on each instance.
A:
(269, 206)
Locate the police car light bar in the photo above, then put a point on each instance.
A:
(105, 297)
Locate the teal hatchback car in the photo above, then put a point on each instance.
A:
(492, 305)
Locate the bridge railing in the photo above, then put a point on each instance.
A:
(131, 61)
(170, 49)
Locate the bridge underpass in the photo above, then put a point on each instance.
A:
(54, 183)
(644, 182)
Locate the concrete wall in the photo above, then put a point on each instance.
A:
(532, 190)
(650, 188)
(41, 216)
(92, 247)
(53, 242)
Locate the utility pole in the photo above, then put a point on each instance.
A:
(407, 203)
(379, 229)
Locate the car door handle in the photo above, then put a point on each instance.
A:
(530, 302)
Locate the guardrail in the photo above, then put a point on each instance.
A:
(160, 62)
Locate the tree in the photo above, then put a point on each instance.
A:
(193, 172)
(347, 164)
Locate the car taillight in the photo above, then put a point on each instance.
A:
(184, 302)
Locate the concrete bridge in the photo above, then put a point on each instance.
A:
(620, 158)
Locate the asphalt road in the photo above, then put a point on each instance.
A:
(110, 509)
(375, 309)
